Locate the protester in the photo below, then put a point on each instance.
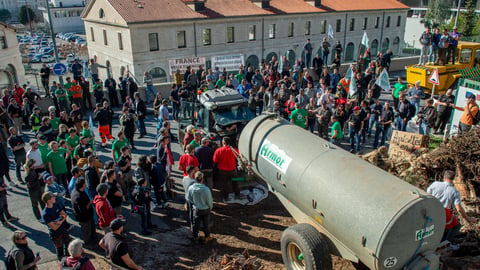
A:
(35, 186)
(470, 111)
(21, 253)
(200, 198)
(103, 208)
(56, 220)
(75, 260)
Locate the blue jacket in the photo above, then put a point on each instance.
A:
(200, 196)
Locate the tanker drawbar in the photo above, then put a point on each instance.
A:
(343, 204)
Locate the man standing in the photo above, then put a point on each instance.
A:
(323, 119)
(68, 89)
(405, 112)
(18, 148)
(454, 36)
(444, 110)
(56, 163)
(21, 252)
(470, 111)
(104, 117)
(45, 77)
(336, 133)
(443, 48)
(299, 116)
(355, 128)
(200, 196)
(56, 220)
(77, 94)
(83, 210)
(384, 123)
(111, 86)
(427, 117)
(141, 111)
(317, 65)
(15, 113)
(116, 247)
(118, 144)
(93, 67)
(34, 153)
(449, 196)
(77, 70)
(61, 95)
(87, 97)
(103, 208)
(326, 50)
(149, 88)
(398, 88)
(175, 100)
(226, 161)
(415, 94)
(204, 154)
(308, 52)
(426, 41)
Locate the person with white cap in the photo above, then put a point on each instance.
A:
(75, 260)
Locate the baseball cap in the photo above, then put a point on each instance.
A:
(42, 137)
(32, 141)
(356, 108)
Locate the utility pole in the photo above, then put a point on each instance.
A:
(458, 13)
(28, 18)
(57, 59)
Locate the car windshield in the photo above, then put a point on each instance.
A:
(230, 115)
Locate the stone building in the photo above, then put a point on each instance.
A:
(139, 36)
(11, 68)
(65, 15)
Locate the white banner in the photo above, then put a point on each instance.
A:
(230, 62)
(183, 63)
(461, 101)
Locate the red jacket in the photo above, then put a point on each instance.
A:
(104, 211)
(225, 158)
(186, 160)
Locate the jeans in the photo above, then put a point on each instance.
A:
(160, 195)
(19, 161)
(449, 234)
(424, 128)
(354, 136)
(61, 242)
(380, 129)
(62, 180)
(36, 198)
(308, 57)
(149, 89)
(175, 110)
(45, 84)
(201, 217)
(141, 127)
(145, 215)
(325, 58)
(295, 78)
(400, 125)
(322, 130)
(113, 97)
(63, 105)
(89, 235)
(311, 124)
(373, 121)
(224, 178)
(425, 54)
(186, 108)
(336, 141)
(4, 214)
(442, 120)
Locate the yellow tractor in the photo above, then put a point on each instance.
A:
(468, 56)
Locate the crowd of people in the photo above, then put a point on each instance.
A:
(61, 160)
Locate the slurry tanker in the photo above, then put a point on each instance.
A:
(343, 205)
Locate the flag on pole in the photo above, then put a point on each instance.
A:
(330, 31)
(91, 127)
(353, 85)
(383, 80)
(365, 40)
(349, 72)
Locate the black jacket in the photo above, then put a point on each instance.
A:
(92, 178)
(103, 117)
(141, 109)
(80, 201)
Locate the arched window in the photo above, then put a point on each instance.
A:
(13, 72)
(158, 74)
(374, 47)
(385, 44)
(101, 13)
(350, 52)
(270, 56)
(396, 45)
(253, 61)
(291, 57)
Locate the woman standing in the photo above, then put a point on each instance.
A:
(35, 187)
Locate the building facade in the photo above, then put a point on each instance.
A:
(14, 6)
(66, 15)
(143, 36)
(11, 68)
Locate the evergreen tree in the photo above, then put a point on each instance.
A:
(5, 15)
(437, 13)
(22, 15)
(470, 18)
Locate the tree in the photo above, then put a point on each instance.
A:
(22, 15)
(5, 15)
(470, 18)
(437, 13)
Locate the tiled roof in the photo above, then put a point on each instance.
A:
(351, 5)
(153, 10)
(164, 10)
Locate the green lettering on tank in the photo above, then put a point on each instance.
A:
(275, 156)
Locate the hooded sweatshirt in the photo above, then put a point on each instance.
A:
(104, 211)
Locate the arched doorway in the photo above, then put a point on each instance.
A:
(5, 79)
(396, 45)
(270, 56)
(158, 74)
(291, 57)
(385, 44)
(350, 52)
(253, 61)
(13, 72)
(109, 68)
(374, 47)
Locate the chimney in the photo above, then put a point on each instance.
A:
(265, 4)
(315, 3)
(196, 5)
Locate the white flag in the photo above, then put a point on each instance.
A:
(383, 80)
(353, 85)
(365, 39)
(91, 127)
(330, 31)
(349, 72)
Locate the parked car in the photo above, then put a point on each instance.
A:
(47, 59)
(36, 59)
(81, 41)
(72, 38)
(71, 58)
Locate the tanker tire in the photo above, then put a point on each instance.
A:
(305, 239)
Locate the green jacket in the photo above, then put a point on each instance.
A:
(35, 122)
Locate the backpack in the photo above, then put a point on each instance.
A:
(64, 265)
(10, 260)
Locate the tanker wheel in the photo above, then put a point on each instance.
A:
(304, 248)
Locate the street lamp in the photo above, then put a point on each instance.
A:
(57, 59)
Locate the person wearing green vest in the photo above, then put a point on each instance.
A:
(299, 116)
(57, 165)
(35, 119)
(68, 88)
(337, 134)
(43, 147)
(118, 144)
(61, 98)
(398, 88)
